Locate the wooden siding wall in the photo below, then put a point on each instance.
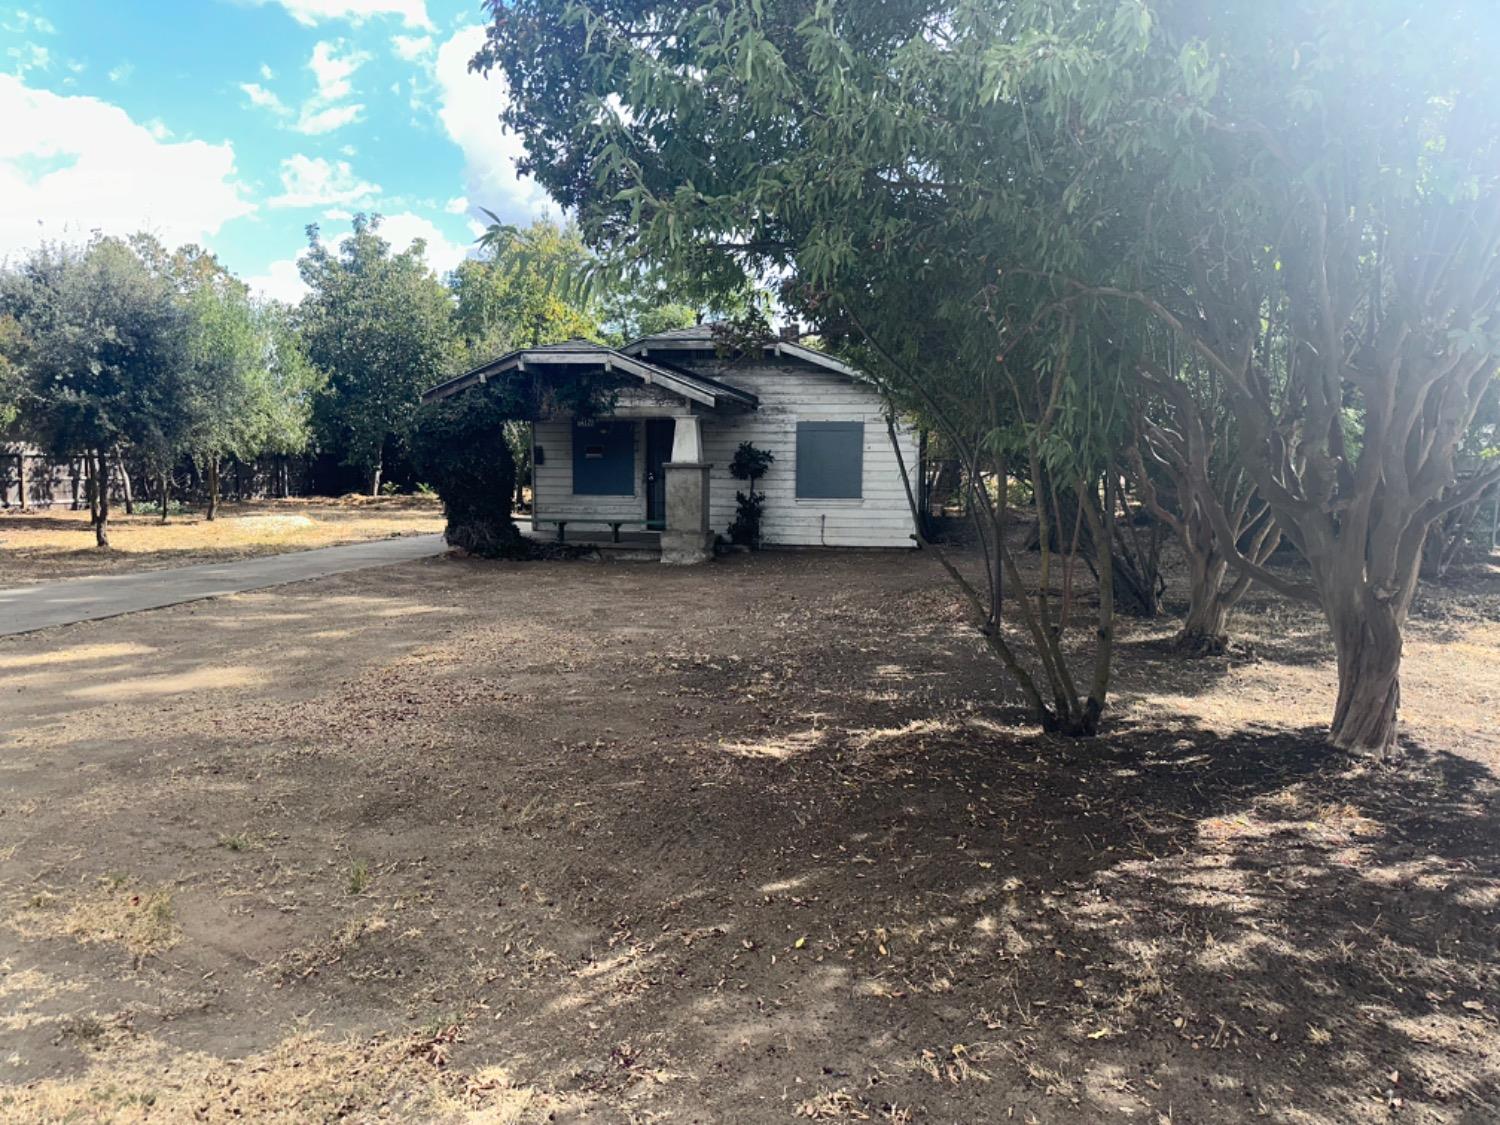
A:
(789, 391)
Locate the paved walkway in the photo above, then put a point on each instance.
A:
(24, 609)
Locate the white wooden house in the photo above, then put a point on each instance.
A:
(658, 462)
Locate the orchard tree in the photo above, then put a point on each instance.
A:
(1302, 192)
(285, 385)
(379, 326)
(103, 353)
(224, 385)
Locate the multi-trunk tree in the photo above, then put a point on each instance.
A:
(1325, 236)
(1303, 193)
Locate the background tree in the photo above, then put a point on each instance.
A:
(226, 392)
(529, 286)
(379, 326)
(287, 385)
(103, 355)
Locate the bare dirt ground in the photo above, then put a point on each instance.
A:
(57, 543)
(761, 841)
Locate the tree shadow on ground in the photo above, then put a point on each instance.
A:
(960, 923)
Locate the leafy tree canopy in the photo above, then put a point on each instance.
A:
(379, 326)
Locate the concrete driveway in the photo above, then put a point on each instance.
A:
(24, 609)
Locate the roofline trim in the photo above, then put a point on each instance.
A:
(608, 358)
(646, 345)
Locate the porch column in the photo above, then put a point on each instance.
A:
(686, 538)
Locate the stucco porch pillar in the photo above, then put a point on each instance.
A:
(686, 538)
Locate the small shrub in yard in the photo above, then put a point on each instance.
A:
(749, 464)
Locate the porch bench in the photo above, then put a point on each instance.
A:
(614, 525)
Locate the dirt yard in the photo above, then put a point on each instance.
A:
(761, 841)
(58, 543)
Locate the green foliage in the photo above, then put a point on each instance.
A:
(459, 447)
(750, 463)
(532, 286)
(101, 347)
(225, 354)
(12, 385)
(379, 326)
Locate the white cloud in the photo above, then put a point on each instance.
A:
(316, 122)
(413, 13)
(262, 98)
(333, 70)
(281, 282)
(326, 110)
(122, 72)
(469, 108)
(456, 206)
(411, 47)
(266, 72)
(70, 165)
(28, 57)
(442, 254)
(24, 22)
(314, 182)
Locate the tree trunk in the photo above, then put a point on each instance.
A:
(1205, 630)
(21, 477)
(1367, 639)
(74, 473)
(375, 478)
(125, 484)
(101, 505)
(163, 492)
(213, 487)
(91, 486)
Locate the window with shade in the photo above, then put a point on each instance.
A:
(830, 460)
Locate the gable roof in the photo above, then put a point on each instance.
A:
(700, 337)
(584, 353)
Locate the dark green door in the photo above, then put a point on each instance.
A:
(658, 453)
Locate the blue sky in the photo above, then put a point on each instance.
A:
(235, 123)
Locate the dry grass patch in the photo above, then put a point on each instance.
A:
(58, 543)
(304, 1078)
(118, 910)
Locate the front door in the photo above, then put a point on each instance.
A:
(658, 453)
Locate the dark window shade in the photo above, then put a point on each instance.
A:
(604, 459)
(830, 460)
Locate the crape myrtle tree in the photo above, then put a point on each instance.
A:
(1184, 463)
(1302, 192)
(379, 325)
(1323, 231)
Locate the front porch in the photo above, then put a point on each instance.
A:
(625, 480)
(638, 467)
